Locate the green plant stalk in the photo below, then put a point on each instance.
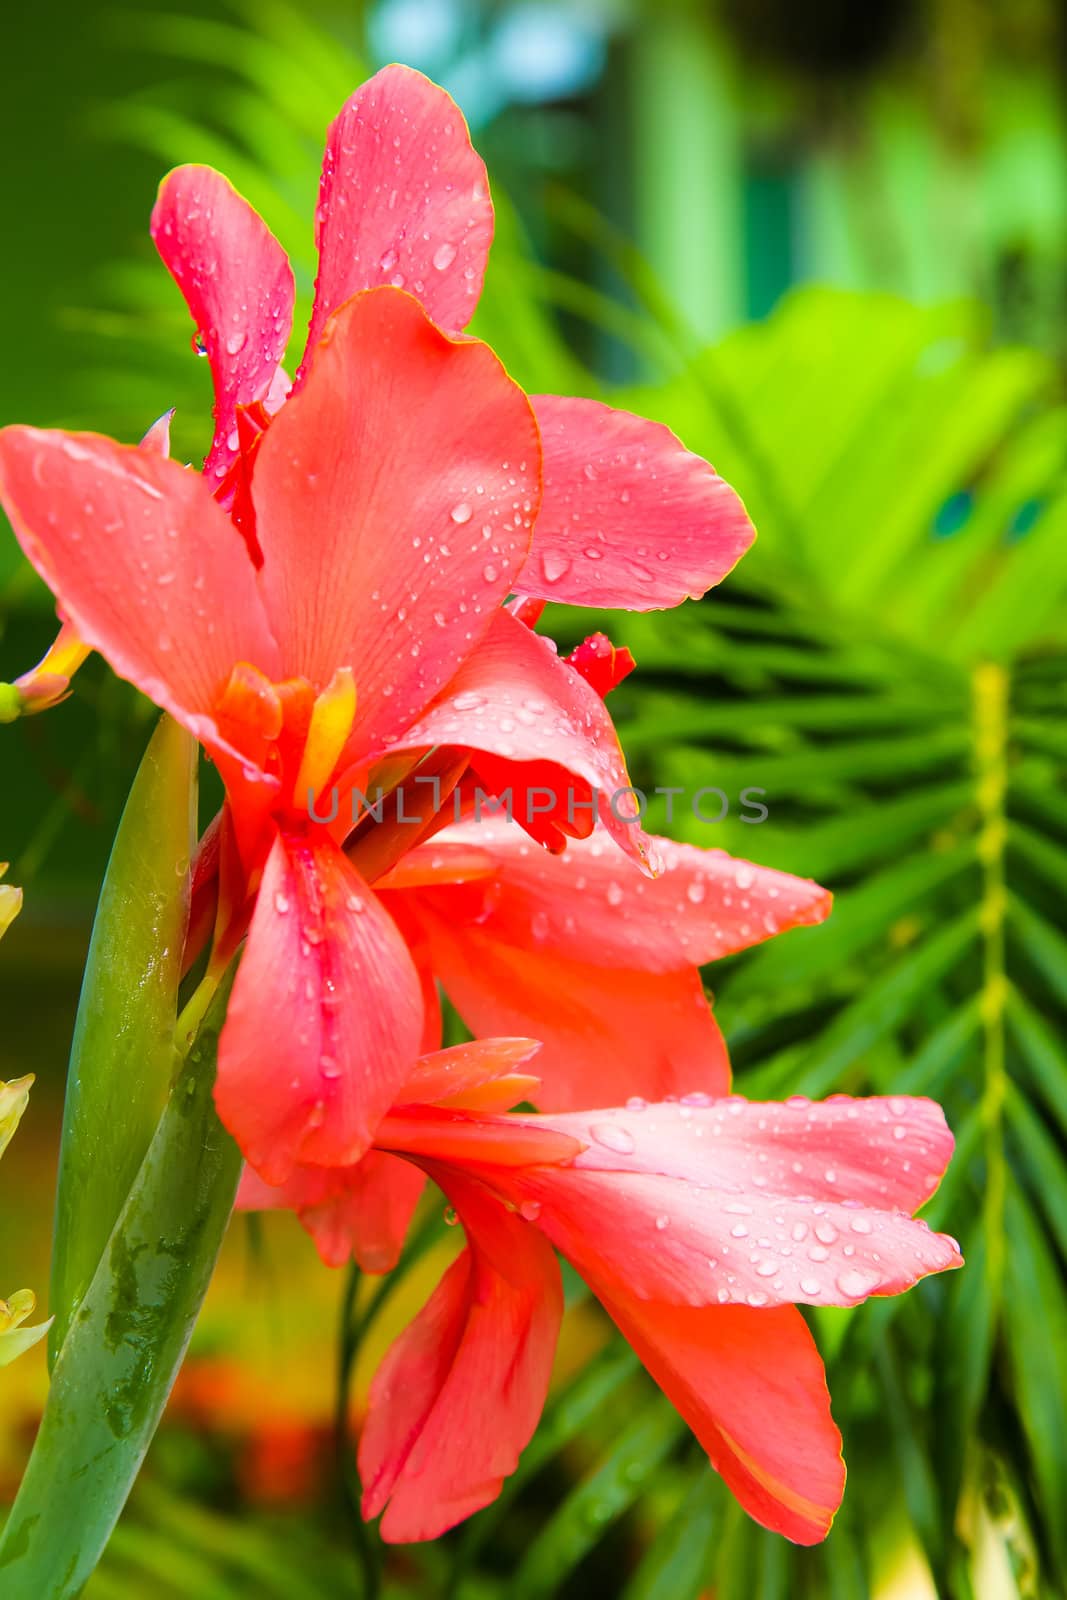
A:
(990, 698)
(126, 1343)
(122, 1058)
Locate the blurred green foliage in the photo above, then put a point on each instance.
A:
(888, 664)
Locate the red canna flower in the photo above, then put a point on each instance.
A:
(700, 1224)
(384, 510)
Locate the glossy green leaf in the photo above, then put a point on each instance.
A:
(122, 1059)
(126, 1343)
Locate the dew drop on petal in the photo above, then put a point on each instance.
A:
(444, 256)
(554, 566)
(855, 1283)
(613, 1137)
(461, 513)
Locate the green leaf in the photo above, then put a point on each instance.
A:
(122, 1353)
(122, 1059)
(600, 1499)
(1043, 1054)
(1035, 1308)
(677, 1565)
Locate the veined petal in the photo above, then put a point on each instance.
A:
(629, 517)
(517, 702)
(144, 564)
(460, 1392)
(392, 555)
(325, 1019)
(751, 1386)
(359, 1213)
(404, 200)
(236, 280)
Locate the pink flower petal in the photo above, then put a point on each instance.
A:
(404, 201)
(742, 1203)
(143, 563)
(460, 1392)
(751, 1386)
(392, 555)
(452, 1077)
(325, 1017)
(236, 280)
(515, 700)
(591, 903)
(629, 517)
(607, 1033)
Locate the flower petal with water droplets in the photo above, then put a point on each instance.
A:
(629, 517)
(404, 201)
(237, 282)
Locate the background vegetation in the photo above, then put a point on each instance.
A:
(827, 245)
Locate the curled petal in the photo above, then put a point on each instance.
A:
(14, 1338)
(14, 1098)
(460, 1392)
(10, 906)
(480, 1075)
(325, 1017)
(237, 282)
(629, 517)
(404, 200)
(515, 702)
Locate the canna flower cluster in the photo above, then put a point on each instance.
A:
(343, 602)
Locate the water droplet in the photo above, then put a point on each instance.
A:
(461, 513)
(826, 1232)
(530, 1210)
(613, 1137)
(236, 343)
(444, 256)
(663, 1222)
(555, 566)
(450, 1216)
(855, 1283)
(809, 1286)
(695, 891)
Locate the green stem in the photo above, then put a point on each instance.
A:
(121, 1355)
(990, 686)
(351, 1489)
